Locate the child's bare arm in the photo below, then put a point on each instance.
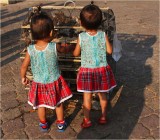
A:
(108, 46)
(77, 49)
(24, 69)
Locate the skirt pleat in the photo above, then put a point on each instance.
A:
(49, 95)
(95, 79)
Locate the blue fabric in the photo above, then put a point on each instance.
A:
(44, 64)
(93, 50)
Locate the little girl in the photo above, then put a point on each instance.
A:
(95, 75)
(48, 89)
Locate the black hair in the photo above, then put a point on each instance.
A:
(41, 26)
(91, 16)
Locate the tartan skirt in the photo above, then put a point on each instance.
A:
(49, 95)
(95, 79)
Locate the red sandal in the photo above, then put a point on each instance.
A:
(102, 121)
(86, 123)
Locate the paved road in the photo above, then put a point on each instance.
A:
(134, 111)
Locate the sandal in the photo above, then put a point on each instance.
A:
(86, 123)
(102, 121)
(43, 127)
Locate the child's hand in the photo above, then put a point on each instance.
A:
(65, 47)
(69, 47)
(25, 81)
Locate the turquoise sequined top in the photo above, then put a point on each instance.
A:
(44, 64)
(93, 50)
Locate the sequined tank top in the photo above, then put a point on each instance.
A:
(44, 64)
(93, 50)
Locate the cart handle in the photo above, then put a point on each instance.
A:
(70, 1)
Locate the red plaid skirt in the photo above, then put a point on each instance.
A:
(95, 79)
(49, 95)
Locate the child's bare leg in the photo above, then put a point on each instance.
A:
(87, 98)
(42, 117)
(103, 102)
(42, 114)
(59, 112)
(61, 124)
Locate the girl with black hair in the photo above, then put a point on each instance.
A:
(48, 89)
(95, 75)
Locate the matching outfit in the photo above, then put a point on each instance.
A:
(48, 87)
(95, 75)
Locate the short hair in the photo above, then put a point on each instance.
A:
(91, 17)
(41, 26)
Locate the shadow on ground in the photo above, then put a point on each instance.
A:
(11, 45)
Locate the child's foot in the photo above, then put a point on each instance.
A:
(86, 123)
(43, 127)
(102, 120)
(61, 125)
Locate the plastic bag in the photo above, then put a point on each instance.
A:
(117, 48)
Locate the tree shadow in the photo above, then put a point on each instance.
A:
(3, 12)
(12, 21)
(16, 1)
(5, 15)
(11, 46)
(127, 100)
